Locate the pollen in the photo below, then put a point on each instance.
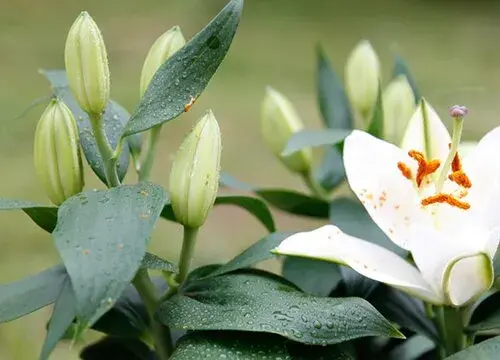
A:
(405, 170)
(445, 198)
(190, 104)
(424, 167)
(460, 178)
(456, 164)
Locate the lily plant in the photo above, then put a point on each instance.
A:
(442, 208)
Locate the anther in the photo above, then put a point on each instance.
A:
(424, 168)
(460, 178)
(445, 198)
(405, 170)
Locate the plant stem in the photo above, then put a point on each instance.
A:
(161, 335)
(438, 321)
(455, 339)
(146, 166)
(187, 251)
(109, 161)
(314, 186)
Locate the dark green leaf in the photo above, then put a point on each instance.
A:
(186, 73)
(265, 303)
(43, 216)
(30, 294)
(258, 252)
(310, 352)
(486, 315)
(333, 102)
(116, 348)
(254, 206)
(295, 203)
(331, 172)
(113, 122)
(355, 284)
(153, 262)
(313, 138)
(412, 348)
(312, 276)
(102, 238)
(401, 68)
(486, 350)
(376, 127)
(62, 317)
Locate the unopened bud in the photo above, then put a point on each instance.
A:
(87, 65)
(279, 121)
(164, 47)
(362, 76)
(194, 178)
(399, 106)
(58, 163)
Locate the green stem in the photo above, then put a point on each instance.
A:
(438, 321)
(147, 164)
(455, 339)
(161, 334)
(109, 161)
(314, 186)
(187, 251)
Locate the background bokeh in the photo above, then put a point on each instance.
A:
(451, 46)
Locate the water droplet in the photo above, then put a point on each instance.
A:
(213, 42)
(177, 82)
(317, 324)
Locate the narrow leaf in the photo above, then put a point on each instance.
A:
(154, 262)
(44, 216)
(102, 238)
(229, 181)
(488, 349)
(313, 138)
(401, 68)
(376, 127)
(185, 75)
(331, 172)
(295, 203)
(315, 277)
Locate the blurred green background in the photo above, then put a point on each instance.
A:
(451, 46)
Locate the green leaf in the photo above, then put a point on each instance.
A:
(114, 119)
(312, 276)
(254, 206)
(229, 181)
(401, 68)
(261, 302)
(333, 102)
(62, 317)
(486, 315)
(102, 238)
(376, 127)
(355, 284)
(154, 262)
(258, 252)
(295, 203)
(331, 172)
(186, 73)
(117, 348)
(485, 350)
(412, 348)
(30, 294)
(313, 138)
(44, 216)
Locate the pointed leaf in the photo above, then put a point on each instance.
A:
(229, 181)
(295, 203)
(262, 302)
(102, 238)
(401, 68)
(114, 119)
(485, 350)
(313, 138)
(412, 349)
(30, 294)
(376, 127)
(154, 262)
(186, 73)
(331, 172)
(44, 216)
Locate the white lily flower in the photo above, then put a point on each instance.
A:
(449, 223)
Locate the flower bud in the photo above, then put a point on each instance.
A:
(164, 47)
(58, 163)
(362, 75)
(399, 106)
(194, 178)
(279, 121)
(87, 65)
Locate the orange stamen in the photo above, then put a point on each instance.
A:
(405, 170)
(456, 164)
(424, 168)
(460, 178)
(445, 198)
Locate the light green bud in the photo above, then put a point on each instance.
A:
(164, 47)
(58, 163)
(279, 121)
(87, 65)
(194, 178)
(362, 76)
(399, 107)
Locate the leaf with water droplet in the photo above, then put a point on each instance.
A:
(43, 215)
(198, 60)
(91, 246)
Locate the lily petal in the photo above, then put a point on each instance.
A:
(427, 134)
(469, 278)
(329, 243)
(389, 197)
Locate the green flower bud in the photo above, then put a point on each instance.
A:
(87, 65)
(164, 47)
(279, 121)
(399, 107)
(362, 75)
(58, 163)
(194, 178)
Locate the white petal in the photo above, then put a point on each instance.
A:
(427, 134)
(469, 278)
(375, 262)
(483, 170)
(391, 199)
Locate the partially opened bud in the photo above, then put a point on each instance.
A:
(279, 121)
(87, 65)
(164, 47)
(399, 106)
(58, 163)
(362, 75)
(194, 178)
